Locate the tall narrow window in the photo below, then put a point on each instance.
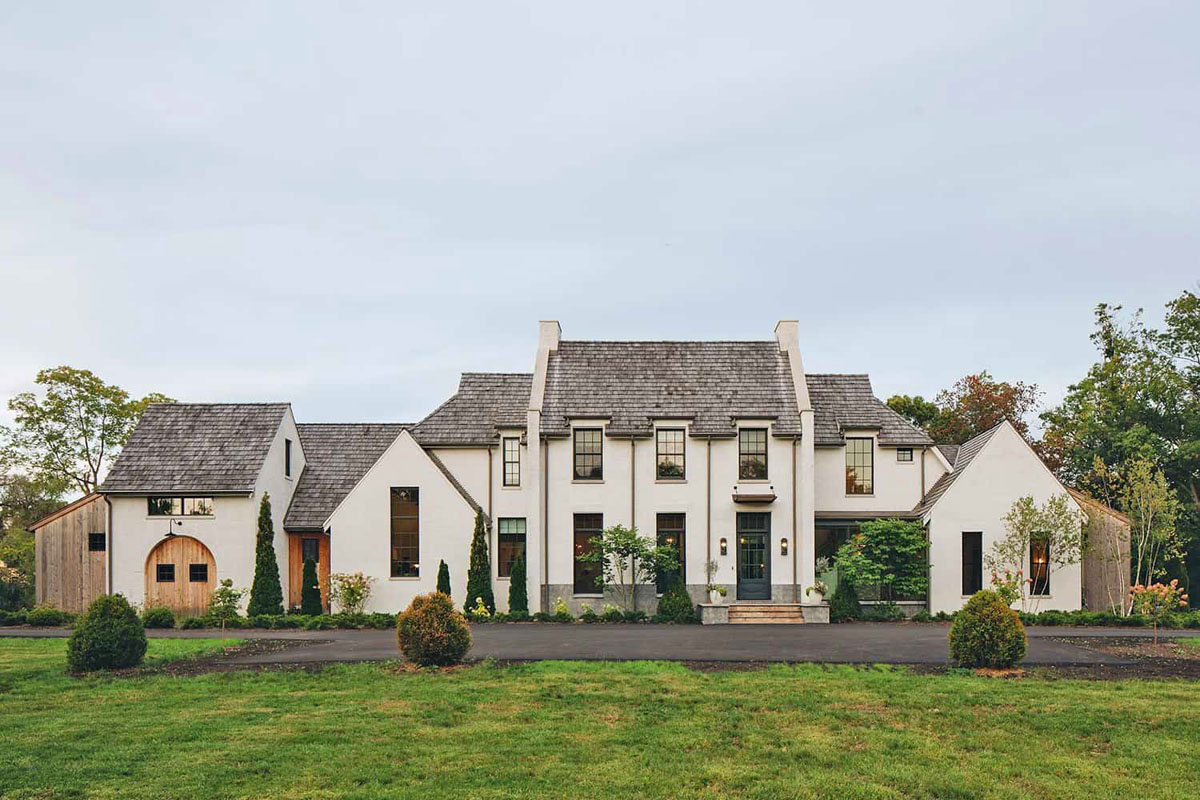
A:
(510, 544)
(669, 452)
(287, 457)
(972, 562)
(512, 461)
(589, 454)
(1039, 566)
(752, 454)
(671, 534)
(406, 532)
(587, 573)
(860, 466)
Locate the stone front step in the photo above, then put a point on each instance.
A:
(766, 614)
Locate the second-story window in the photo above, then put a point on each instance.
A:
(589, 454)
(512, 461)
(669, 452)
(179, 506)
(860, 466)
(752, 454)
(287, 457)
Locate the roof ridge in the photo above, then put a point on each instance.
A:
(668, 341)
(500, 374)
(188, 404)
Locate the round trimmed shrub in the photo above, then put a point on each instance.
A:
(987, 633)
(431, 633)
(108, 636)
(158, 617)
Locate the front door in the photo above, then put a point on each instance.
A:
(753, 556)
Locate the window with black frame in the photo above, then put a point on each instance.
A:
(860, 466)
(1039, 566)
(512, 460)
(589, 454)
(972, 562)
(752, 454)
(588, 579)
(671, 534)
(669, 453)
(510, 544)
(405, 532)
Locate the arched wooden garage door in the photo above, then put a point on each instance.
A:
(181, 575)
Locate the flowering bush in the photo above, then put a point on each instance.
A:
(350, 591)
(1157, 601)
(480, 611)
(431, 633)
(1008, 585)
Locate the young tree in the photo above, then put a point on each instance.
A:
(890, 554)
(443, 578)
(518, 592)
(266, 595)
(310, 590)
(978, 403)
(915, 409)
(626, 559)
(1055, 523)
(1152, 508)
(479, 571)
(74, 429)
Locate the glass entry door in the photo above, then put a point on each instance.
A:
(753, 556)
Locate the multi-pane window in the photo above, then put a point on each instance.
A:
(510, 544)
(587, 573)
(165, 573)
(860, 466)
(669, 449)
(589, 454)
(1039, 565)
(512, 461)
(96, 543)
(671, 534)
(179, 506)
(310, 549)
(972, 562)
(287, 457)
(752, 454)
(904, 454)
(198, 573)
(406, 532)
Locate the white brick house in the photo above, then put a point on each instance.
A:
(729, 448)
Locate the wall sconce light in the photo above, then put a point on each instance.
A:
(171, 528)
(783, 547)
(724, 546)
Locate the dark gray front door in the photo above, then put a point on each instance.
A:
(753, 556)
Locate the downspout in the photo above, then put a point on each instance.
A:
(632, 510)
(707, 504)
(108, 568)
(923, 449)
(493, 529)
(545, 526)
(489, 481)
(795, 544)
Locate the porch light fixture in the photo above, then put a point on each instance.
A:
(783, 547)
(724, 546)
(171, 528)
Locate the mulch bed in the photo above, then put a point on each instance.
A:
(220, 660)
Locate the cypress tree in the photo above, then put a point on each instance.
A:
(266, 595)
(443, 581)
(518, 592)
(479, 573)
(310, 592)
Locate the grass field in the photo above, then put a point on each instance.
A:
(590, 730)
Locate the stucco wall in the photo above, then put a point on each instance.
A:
(1002, 472)
(360, 538)
(280, 487)
(897, 483)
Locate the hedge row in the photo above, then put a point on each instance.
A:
(1186, 619)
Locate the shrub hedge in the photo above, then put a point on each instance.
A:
(48, 617)
(108, 636)
(158, 617)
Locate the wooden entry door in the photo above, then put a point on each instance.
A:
(181, 575)
(753, 556)
(302, 546)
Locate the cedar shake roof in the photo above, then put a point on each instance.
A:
(336, 458)
(842, 402)
(950, 451)
(484, 402)
(963, 458)
(196, 448)
(633, 383)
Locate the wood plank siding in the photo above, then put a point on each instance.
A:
(296, 567)
(182, 594)
(68, 574)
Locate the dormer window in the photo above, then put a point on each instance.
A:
(752, 454)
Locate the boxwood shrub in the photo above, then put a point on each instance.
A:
(48, 617)
(987, 633)
(108, 636)
(431, 633)
(158, 617)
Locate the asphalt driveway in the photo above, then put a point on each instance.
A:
(876, 643)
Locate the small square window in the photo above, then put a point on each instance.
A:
(96, 542)
(904, 454)
(165, 573)
(198, 573)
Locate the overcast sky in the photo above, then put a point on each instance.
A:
(345, 205)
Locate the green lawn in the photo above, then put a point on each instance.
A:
(596, 731)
